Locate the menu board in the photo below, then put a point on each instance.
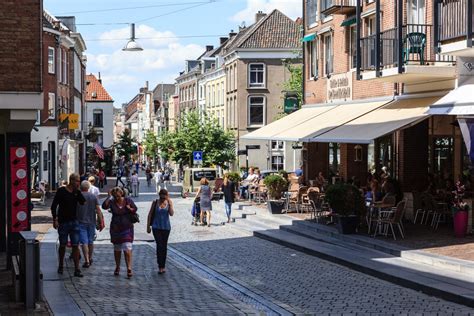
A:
(19, 189)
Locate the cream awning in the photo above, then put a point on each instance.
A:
(304, 127)
(459, 101)
(267, 132)
(396, 115)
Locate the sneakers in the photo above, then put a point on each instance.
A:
(78, 274)
(60, 270)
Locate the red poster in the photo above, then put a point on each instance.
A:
(19, 188)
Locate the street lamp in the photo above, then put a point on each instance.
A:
(132, 46)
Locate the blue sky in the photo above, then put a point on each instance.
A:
(168, 40)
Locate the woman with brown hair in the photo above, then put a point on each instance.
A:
(205, 195)
(159, 221)
(121, 227)
(228, 190)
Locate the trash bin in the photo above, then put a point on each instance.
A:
(30, 276)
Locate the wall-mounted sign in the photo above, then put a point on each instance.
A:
(19, 189)
(339, 87)
(69, 121)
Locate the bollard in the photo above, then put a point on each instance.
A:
(30, 268)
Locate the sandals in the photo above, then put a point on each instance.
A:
(86, 265)
(117, 271)
(129, 273)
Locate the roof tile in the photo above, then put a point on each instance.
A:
(95, 91)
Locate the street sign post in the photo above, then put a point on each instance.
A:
(197, 157)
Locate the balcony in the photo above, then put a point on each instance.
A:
(344, 7)
(409, 58)
(454, 25)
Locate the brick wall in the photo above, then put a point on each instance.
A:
(50, 83)
(349, 166)
(20, 45)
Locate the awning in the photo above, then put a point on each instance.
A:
(269, 131)
(304, 128)
(396, 115)
(309, 37)
(349, 21)
(459, 101)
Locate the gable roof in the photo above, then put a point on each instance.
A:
(95, 91)
(275, 30)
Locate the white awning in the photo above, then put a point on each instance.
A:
(396, 115)
(459, 101)
(304, 126)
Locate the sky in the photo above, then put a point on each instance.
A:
(170, 32)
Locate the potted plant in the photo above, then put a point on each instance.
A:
(347, 202)
(276, 185)
(460, 211)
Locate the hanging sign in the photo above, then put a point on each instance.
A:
(19, 189)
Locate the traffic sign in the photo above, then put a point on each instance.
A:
(197, 157)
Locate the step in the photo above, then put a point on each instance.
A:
(449, 285)
(420, 256)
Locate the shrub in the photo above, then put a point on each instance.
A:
(276, 185)
(234, 176)
(345, 199)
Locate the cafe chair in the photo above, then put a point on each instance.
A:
(394, 217)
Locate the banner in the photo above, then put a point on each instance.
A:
(19, 189)
(69, 121)
(467, 129)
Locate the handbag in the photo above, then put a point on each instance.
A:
(134, 218)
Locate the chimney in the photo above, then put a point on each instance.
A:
(209, 48)
(260, 15)
(232, 34)
(146, 85)
(100, 80)
(222, 40)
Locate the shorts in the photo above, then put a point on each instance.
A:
(126, 246)
(68, 229)
(86, 233)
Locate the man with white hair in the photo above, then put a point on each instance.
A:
(93, 189)
(86, 215)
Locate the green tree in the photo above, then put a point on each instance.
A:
(124, 146)
(294, 84)
(151, 145)
(198, 132)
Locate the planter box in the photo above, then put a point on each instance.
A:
(347, 224)
(275, 206)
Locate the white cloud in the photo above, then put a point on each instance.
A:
(291, 8)
(123, 73)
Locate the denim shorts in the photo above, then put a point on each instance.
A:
(86, 233)
(69, 229)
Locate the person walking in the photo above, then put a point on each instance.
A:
(121, 227)
(63, 210)
(101, 178)
(158, 180)
(87, 215)
(228, 189)
(92, 188)
(119, 177)
(159, 222)
(135, 184)
(148, 176)
(205, 195)
(166, 178)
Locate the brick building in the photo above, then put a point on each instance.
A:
(21, 98)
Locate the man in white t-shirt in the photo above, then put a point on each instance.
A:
(251, 178)
(93, 189)
(158, 179)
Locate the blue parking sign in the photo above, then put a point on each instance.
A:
(197, 157)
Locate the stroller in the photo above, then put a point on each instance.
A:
(196, 213)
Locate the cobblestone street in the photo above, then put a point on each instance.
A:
(297, 282)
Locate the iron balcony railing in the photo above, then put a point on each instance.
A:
(454, 19)
(416, 48)
(335, 6)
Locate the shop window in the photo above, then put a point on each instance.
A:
(442, 156)
(334, 158)
(256, 110)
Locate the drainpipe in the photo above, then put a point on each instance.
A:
(469, 23)
(358, 51)
(304, 55)
(436, 27)
(377, 38)
(400, 35)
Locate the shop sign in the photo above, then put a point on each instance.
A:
(339, 87)
(19, 189)
(69, 121)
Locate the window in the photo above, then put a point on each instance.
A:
(416, 10)
(60, 73)
(51, 60)
(334, 158)
(256, 75)
(256, 110)
(353, 46)
(98, 118)
(65, 74)
(314, 60)
(100, 138)
(328, 55)
(442, 156)
(277, 145)
(51, 106)
(278, 162)
(311, 12)
(325, 4)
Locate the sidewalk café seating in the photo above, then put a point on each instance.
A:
(387, 219)
(260, 194)
(291, 196)
(306, 204)
(298, 198)
(388, 201)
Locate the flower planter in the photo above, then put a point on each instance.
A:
(460, 223)
(275, 206)
(347, 224)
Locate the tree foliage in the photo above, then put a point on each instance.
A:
(124, 146)
(198, 132)
(151, 144)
